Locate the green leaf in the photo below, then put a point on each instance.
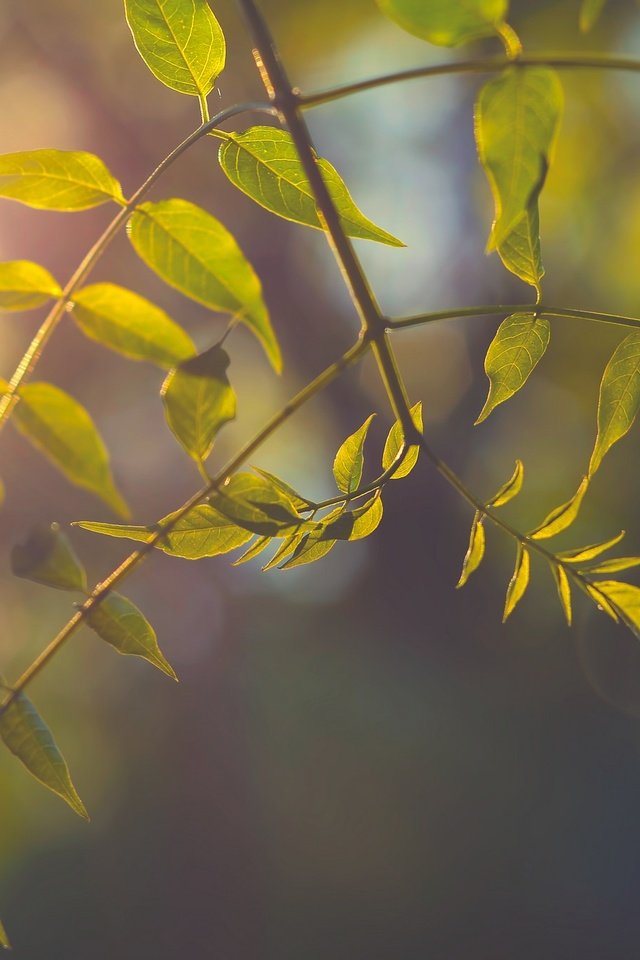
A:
(520, 250)
(47, 557)
(564, 589)
(582, 554)
(29, 739)
(25, 285)
(365, 519)
(180, 41)
(4, 939)
(119, 622)
(517, 120)
(624, 600)
(286, 548)
(590, 13)
(194, 253)
(57, 180)
(349, 461)
(129, 324)
(63, 431)
(296, 499)
(563, 516)
(475, 551)
(309, 550)
(615, 565)
(619, 398)
(255, 504)
(394, 443)
(263, 162)
(510, 489)
(447, 23)
(257, 547)
(519, 582)
(516, 350)
(198, 401)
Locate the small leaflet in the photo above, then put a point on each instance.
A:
(564, 589)
(590, 13)
(119, 622)
(57, 180)
(519, 582)
(563, 516)
(583, 554)
(516, 350)
(47, 557)
(253, 503)
(445, 23)
(394, 443)
(624, 599)
(297, 499)
(475, 551)
(25, 285)
(615, 565)
(520, 250)
(619, 400)
(349, 461)
(510, 489)
(255, 549)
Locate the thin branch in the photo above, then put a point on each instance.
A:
(496, 309)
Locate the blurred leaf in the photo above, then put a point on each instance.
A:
(616, 565)
(263, 162)
(198, 401)
(517, 120)
(563, 516)
(194, 253)
(4, 939)
(519, 582)
(47, 557)
(520, 250)
(129, 324)
(624, 599)
(349, 461)
(394, 443)
(28, 738)
(296, 499)
(57, 180)
(510, 489)
(447, 23)
(619, 398)
(257, 547)
(590, 13)
(119, 622)
(475, 551)
(24, 285)
(517, 348)
(582, 554)
(181, 42)
(564, 589)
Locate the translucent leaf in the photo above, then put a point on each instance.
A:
(519, 582)
(286, 548)
(180, 41)
(63, 431)
(349, 461)
(520, 250)
(475, 551)
(255, 504)
(619, 398)
(194, 253)
(590, 13)
(366, 519)
(129, 324)
(564, 589)
(510, 489)
(4, 939)
(394, 442)
(263, 162)
(624, 599)
(28, 738)
(447, 23)
(516, 350)
(592, 589)
(198, 401)
(57, 180)
(582, 554)
(257, 547)
(47, 557)
(616, 565)
(517, 120)
(563, 516)
(24, 285)
(296, 499)
(310, 549)
(119, 622)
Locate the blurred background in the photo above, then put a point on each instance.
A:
(359, 761)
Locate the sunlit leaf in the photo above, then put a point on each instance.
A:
(180, 41)
(624, 599)
(257, 505)
(475, 550)
(365, 519)
(286, 548)
(28, 737)
(619, 398)
(615, 565)
(517, 348)
(57, 180)
(263, 162)
(349, 461)
(198, 401)
(520, 250)
(510, 489)
(47, 557)
(119, 622)
(519, 582)
(126, 322)
(4, 939)
(194, 253)
(564, 589)
(590, 13)
(256, 548)
(308, 550)
(394, 443)
(517, 120)
(446, 22)
(563, 516)
(296, 499)
(592, 589)
(583, 554)
(24, 285)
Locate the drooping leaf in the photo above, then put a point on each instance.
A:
(516, 350)
(180, 41)
(624, 599)
(564, 589)
(519, 582)
(475, 551)
(255, 504)
(286, 549)
(297, 500)
(590, 13)
(520, 250)
(263, 162)
(615, 565)
(517, 120)
(510, 489)
(255, 549)
(563, 516)
(63, 431)
(57, 180)
(308, 550)
(198, 401)
(394, 443)
(447, 23)
(119, 622)
(583, 554)
(28, 738)
(129, 324)
(349, 461)
(619, 398)
(47, 557)
(4, 939)
(25, 285)
(194, 253)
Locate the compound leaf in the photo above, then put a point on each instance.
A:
(25, 285)
(394, 443)
(563, 516)
(514, 353)
(590, 13)
(564, 589)
(447, 23)
(119, 622)
(619, 398)
(57, 180)
(47, 557)
(510, 489)
(475, 550)
(519, 582)
(349, 461)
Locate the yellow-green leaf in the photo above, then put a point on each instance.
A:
(47, 557)
(4, 939)
(519, 582)
(394, 443)
(615, 565)
(309, 549)
(263, 162)
(296, 499)
(254, 550)
(564, 589)
(510, 489)
(447, 23)
(593, 591)
(28, 738)
(194, 253)
(520, 250)
(119, 622)
(514, 353)
(590, 13)
(25, 285)
(286, 548)
(349, 461)
(57, 180)
(563, 516)
(475, 551)
(129, 324)
(257, 505)
(619, 398)
(624, 599)
(583, 554)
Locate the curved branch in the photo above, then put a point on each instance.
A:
(496, 309)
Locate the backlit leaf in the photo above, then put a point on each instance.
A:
(308, 551)
(563, 516)
(286, 548)
(394, 443)
(24, 285)
(624, 599)
(4, 939)
(256, 548)
(520, 250)
(564, 589)
(590, 13)
(57, 180)
(263, 162)
(519, 582)
(592, 589)
(257, 505)
(583, 554)
(349, 461)
(514, 353)
(615, 565)
(447, 22)
(194, 253)
(47, 557)
(510, 489)
(475, 551)
(619, 398)
(28, 738)
(119, 622)
(296, 499)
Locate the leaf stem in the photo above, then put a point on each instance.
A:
(496, 309)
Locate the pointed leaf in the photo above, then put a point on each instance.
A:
(510, 489)
(286, 548)
(255, 504)
(563, 516)
(519, 582)
(28, 738)
(25, 285)
(593, 591)
(615, 565)
(447, 23)
(590, 13)
(564, 589)
(624, 599)
(475, 551)
(296, 499)
(256, 548)
(129, 324)
(520, 250)
(394, 444)
(57, 180)
(310, 549)
(181, 42)
(349, 461)
(366, 519)
(582, 554)
(47, 557)
(4, 939)
(119, 622)
(516, 350)
(263, 162)
(619, 398)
